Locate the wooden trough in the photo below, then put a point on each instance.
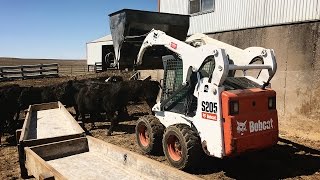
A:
(52, 145)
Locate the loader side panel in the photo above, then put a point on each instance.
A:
(254, 127)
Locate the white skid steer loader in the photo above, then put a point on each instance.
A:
(206, 106)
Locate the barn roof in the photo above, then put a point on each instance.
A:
(102, 39)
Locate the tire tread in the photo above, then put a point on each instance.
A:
(156, 134)
(193, 145)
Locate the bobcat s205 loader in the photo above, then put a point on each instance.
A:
(210, 102)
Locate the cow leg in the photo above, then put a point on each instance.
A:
(151, 103)
(17, 115)
(83, 119)
(123, 113)
(78, 115)
(77, 112)
(114, 121)
(93, 119)
(1, 128)
(12, 124)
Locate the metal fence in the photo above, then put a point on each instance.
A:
(28, 71)
(73, 70)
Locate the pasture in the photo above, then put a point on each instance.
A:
(292, 158)
(66, 67)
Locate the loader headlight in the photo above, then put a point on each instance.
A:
(234, 107)
(272, 103)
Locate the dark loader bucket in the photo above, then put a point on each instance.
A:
(129, 28)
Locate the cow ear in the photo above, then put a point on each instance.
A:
(69, 82)
(147, 79)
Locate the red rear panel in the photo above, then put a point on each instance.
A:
(255, 126)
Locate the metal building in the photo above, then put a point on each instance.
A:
(208, 16)
(290, 27)
(98, 49)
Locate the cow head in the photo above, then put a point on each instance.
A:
(114, 79)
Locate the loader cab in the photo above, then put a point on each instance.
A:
(176, 97)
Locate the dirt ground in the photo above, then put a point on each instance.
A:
(296, 156)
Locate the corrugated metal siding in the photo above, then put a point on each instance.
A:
(241, 14)
(174, 6)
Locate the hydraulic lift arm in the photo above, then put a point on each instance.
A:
(193, 57)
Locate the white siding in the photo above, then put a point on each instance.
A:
(94, 52)
(174, 6)
(94, 49)
(240, 14)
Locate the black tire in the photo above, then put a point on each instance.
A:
(182, 146)
(149, 133)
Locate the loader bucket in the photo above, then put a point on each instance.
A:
(129, 27)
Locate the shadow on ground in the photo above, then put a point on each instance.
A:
(126, 128)
(285, 160)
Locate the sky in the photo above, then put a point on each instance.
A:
(57, 28)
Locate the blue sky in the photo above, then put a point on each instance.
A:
(57, 28)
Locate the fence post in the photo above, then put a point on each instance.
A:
(22, 74)
(71, 70)
(41, 67)
(57, 69)
(1, 71)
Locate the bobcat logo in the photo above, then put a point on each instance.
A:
(241, 128)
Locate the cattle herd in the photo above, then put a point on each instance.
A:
(94, 97)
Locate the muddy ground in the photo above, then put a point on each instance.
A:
(296, 156)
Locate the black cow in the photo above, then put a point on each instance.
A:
(35, 95)
(76, 85)
(97, 98)
(142, 90)
(139, 90)
(110, 98)
(8, 106)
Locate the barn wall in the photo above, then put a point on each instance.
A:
(297, 49)
(94, 52)
(240, 14)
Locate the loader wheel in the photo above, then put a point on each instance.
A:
(149, 132)
(182, 146)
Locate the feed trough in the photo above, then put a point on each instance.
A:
(52, 145)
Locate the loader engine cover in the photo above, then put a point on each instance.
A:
(254, 124)
(129, 27)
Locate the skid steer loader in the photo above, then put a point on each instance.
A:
(209, 101)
